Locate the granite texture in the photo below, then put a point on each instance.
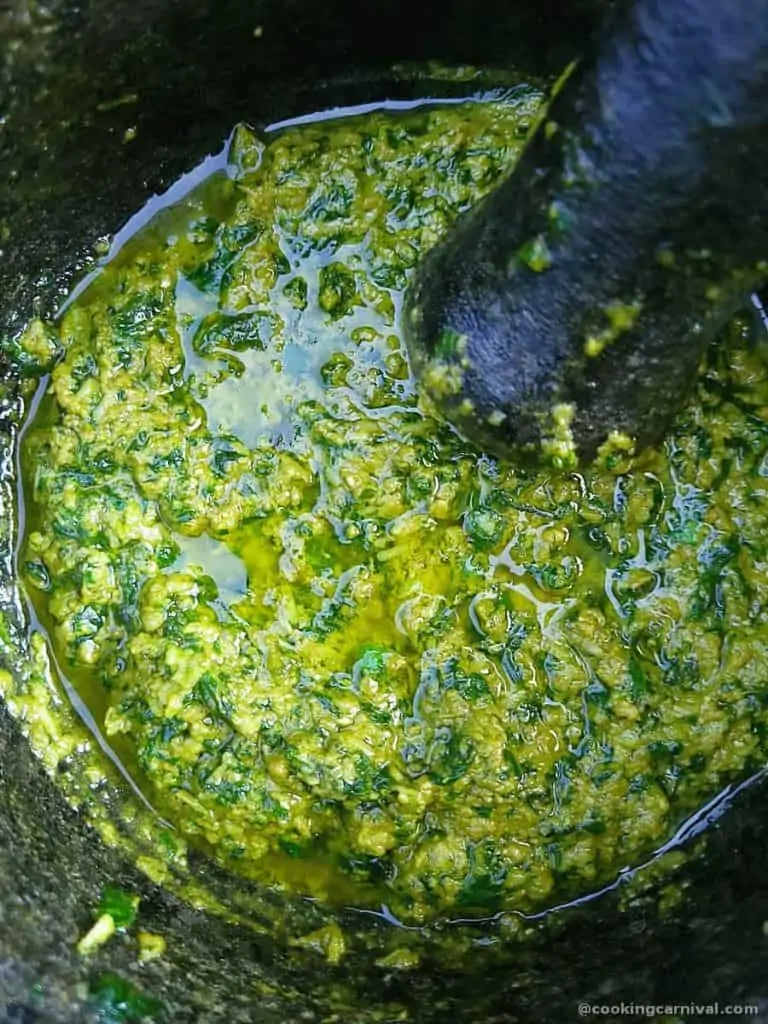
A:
(67, 178)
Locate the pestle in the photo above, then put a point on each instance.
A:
(573, 304)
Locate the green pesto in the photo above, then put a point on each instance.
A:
(344, 653)
(118, 1001)
(122, 907)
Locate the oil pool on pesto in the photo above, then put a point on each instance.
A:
(341, 651)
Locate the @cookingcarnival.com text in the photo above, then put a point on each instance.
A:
(655, 1010)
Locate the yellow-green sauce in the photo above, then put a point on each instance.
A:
(342, 651)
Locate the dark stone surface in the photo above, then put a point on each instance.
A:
(66, 178)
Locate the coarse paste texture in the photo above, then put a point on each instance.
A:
(341, 650)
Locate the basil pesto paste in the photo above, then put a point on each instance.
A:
(342, 651)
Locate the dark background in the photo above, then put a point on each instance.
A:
(66, 178)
